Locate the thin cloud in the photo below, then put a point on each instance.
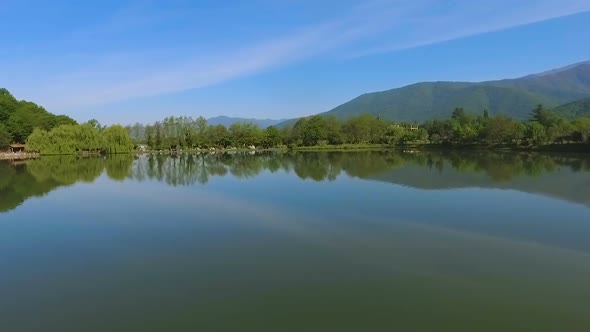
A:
(485, 18)
(369, 28)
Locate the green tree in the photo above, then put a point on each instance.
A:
(500, 129)
(536, 133)
(158, 139)
(364, 129)
(272, 137)
(117, 140)
(5, 137)
(544, 117)
(461, 116)
(201, 130)
(219, 136)
(581, 131)
(244, 134)
(334, 133)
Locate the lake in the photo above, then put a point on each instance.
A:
(343, 241)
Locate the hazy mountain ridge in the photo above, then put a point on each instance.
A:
(228, 121)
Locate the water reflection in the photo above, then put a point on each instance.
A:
(560, 175)
(35, 178)
(500, 167)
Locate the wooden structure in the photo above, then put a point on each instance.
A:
(17, 148)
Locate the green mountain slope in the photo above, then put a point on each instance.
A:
(512, 97)
(576, 109)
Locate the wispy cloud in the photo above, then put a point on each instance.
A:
(460, 19)
(366, 29)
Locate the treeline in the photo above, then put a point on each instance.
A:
(18, 119)
(89, 137)
(26, 122)
(188, 133)
(543, 127)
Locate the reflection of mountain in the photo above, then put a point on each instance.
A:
(39, 177)
(565, 177)
(560, 176)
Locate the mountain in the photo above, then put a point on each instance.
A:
(227, 121)
(436, 100)
(576, 109)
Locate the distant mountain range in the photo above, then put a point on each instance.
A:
(228, 121)
(512, 97)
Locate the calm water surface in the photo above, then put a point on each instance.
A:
(372, 241)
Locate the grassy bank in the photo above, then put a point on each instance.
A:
(573, 147)
(492, 147)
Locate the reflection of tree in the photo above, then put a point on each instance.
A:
(326, 166)
(118, 166)
(38, 177)
(66, 170)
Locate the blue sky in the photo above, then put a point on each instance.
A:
(127, 61)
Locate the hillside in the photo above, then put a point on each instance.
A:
(512, 97)
(576, 109)
(228, 121)
(19, 118)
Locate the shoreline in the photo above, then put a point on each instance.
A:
(18, 155)
(577, 148)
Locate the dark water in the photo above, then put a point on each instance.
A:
(373, 241)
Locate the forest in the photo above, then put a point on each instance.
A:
(463, 128)
(18, 119)
(46, 133)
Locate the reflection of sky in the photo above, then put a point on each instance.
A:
(282, 201)
(130, 245)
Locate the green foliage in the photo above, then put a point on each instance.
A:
(272, 137)
(537, 133)
(310, 131)
(244, 134)
(71, 139)
(365, 128)
(581, 130)
(5, 137)
(574, 110)
(20, 118)
(116, 140)
(219, 136)
(501, 129)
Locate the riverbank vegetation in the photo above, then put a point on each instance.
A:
(544, 127)
(46, 133)
(89, 138)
